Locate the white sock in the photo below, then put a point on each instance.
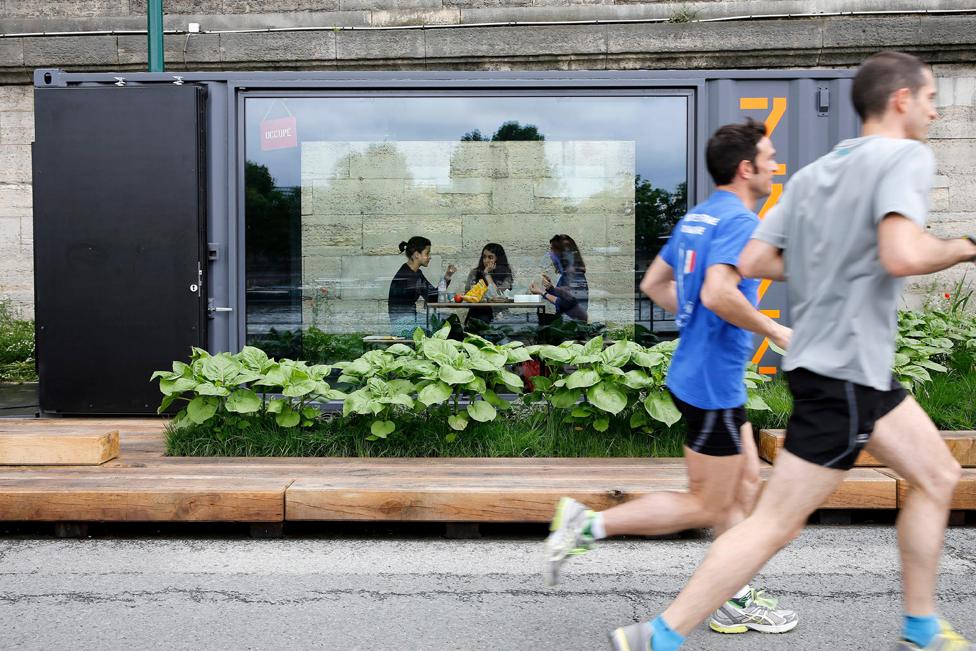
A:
(596, 527)
(741, 593)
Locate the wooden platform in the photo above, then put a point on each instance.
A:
(143, 485)
(56, 442)
(961, 444)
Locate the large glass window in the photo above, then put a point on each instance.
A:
(572, 196)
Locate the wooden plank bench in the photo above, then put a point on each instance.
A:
(964, 499)
(962, 445)
(144, 497)
(53, 443)
(474, 496)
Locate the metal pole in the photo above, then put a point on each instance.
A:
(154, 16)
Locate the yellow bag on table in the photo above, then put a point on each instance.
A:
(476, 293)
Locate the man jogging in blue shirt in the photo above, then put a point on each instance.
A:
(696, 278)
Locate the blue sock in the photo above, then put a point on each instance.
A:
(665, 639)
(920, 630)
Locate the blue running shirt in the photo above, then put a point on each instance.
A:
(708, 367)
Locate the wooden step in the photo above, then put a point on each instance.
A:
(477, 497)
(962, 444)
(50, 443)
(63, 496)
(964, 499)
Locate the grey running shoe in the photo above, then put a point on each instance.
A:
(636, 637)
(946, 640)
(567, 537)
(755, 611)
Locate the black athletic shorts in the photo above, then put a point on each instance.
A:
(833, 419)
(714, 432)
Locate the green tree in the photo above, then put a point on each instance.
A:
(509, 131)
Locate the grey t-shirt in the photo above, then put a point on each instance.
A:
(843, 303)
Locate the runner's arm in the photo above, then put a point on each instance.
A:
(659, 285)
(762, 260)
(721, 295)
(907, 250)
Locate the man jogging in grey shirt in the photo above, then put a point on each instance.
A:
(847, 229)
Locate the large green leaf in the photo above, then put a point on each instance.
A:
(288, 417)
(243, 401)
(499, 403)
(299, 389)
(167, 401)
(594, 346)
(458, 422)
(660, 407)
(510, 380)
(608, 397)
(434, 393)
(647, 359)
(601, 424)
(210, 389)
(382, 428)
(440, 350)
(202, 408)
(253, 358)
(517, 355)
(453, 375)
(275, 376)
(756, 403)
(636, 379)
(617, 354)
(177, 385)
(401, 386)
(221, 368)
(638, 419)
(565, 398)
(275, 406)
(356, 402)
(400, 349)
(182, 369)
(360, 366)
(584, 377)
(477, 385)
(481, 411)
(555, 354)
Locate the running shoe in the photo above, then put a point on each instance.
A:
(946, 640)
(636, 637)
(567, 537)
(755, 611)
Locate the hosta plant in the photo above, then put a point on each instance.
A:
(233, 389)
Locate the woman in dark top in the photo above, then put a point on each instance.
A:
(409, 284)
(571, 293)
(494, 269)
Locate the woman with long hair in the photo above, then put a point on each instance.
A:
(493, 268)
(409, 284)
(571, 293)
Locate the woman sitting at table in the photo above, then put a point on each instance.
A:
(571, 293)
(409, 284)
(494, 269)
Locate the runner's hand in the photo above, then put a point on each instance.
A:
(781, 336)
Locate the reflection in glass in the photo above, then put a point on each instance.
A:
(324, 218)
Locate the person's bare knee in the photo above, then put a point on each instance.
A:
(713, 508)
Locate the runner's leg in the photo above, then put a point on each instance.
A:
(796, 488)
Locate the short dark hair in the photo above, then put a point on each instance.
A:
(881, 75)
(731, 145)
(417, 243)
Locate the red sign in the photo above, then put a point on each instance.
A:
(280, 133)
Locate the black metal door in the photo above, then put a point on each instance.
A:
(119, 242)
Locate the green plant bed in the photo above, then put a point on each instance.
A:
(949, 400)
(16, 346)
(524, 435)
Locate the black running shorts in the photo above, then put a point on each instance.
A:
(833, 419)
(715, 432)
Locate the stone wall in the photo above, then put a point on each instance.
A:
(16, 227)
(359, 200)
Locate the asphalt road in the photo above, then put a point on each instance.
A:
(378, 592)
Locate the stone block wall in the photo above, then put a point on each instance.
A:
(953, 201)
(359, 200)
(16, 224)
